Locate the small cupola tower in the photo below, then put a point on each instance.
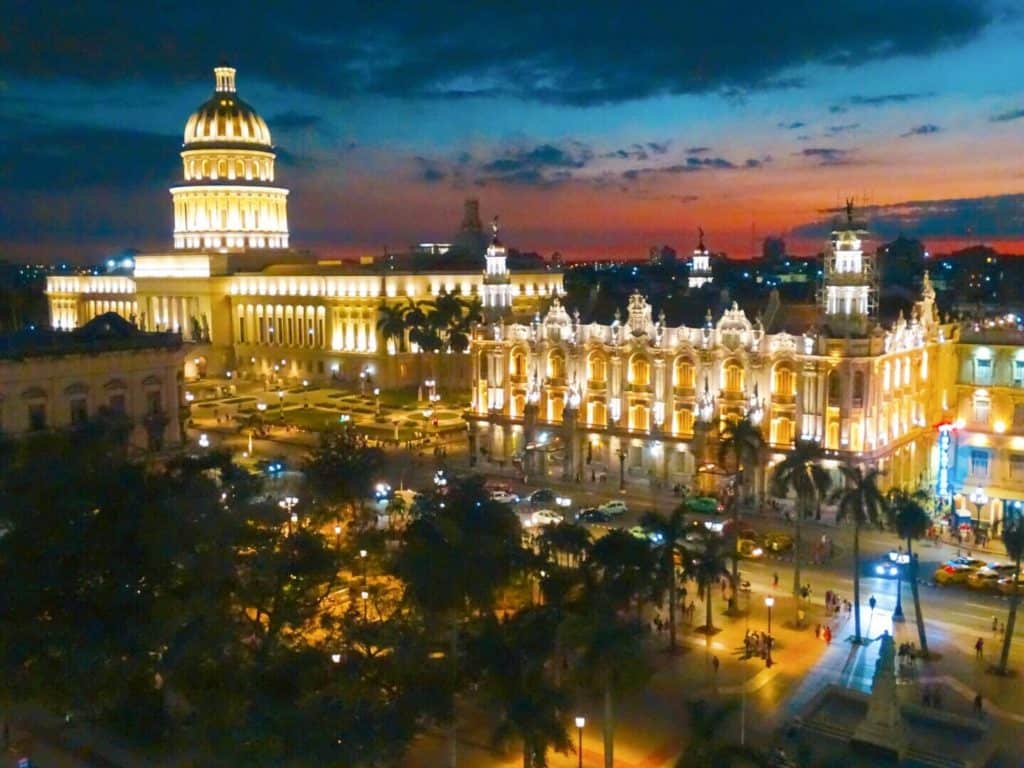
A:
(497, 297)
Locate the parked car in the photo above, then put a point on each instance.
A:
(546, 517)
(614, 508)
(894, 564)
(749, 548)
(641, 532)
(952, 573)
(703, 505)
(504, 497)
(1005, 585)
(988, 576)
(970, 562)
(777, 541)
(548, 496)
(593, 515)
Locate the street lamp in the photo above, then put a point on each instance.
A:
(365, 596)
(769, 602)
(362, 559)
(622, 468)
(204, 441)
(376, 395)
(337, 535)
(979, 499)
(280, 403)
(580, 722)
(288, 505)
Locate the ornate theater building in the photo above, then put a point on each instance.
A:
(643, 401)
(245, 302)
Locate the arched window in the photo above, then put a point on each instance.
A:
(555, 407)
(685, 374)
(518, 367)
(597, 413)
(683, 421)
(783, 381)
(833, 388)
(597, 368)
(516, 406)
(639, 417)
(732, 377)
(639, 371)
(858, 389)
(832, 436)
(222, 168)
(556, 364)
(782, 431)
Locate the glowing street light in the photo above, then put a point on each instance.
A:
(769, 602)
(288, 505)
(580, 722)
(204, 441)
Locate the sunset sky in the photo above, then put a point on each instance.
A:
(592, 128)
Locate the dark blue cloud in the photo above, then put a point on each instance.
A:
(1005, 117)
(792, 126)
(995, 216)
(835, 130)
(697, 150)
(826, 155)
(451, 49)
(294, 121)
(921, 130)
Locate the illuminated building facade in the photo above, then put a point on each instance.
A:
(56, 380)
(985, 434)
(644, 400)
(248, 304)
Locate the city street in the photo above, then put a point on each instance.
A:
(649, 722)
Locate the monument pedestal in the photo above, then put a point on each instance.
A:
(883, 730)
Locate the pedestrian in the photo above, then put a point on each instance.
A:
(775, 579)
(817, 632)
(828, 635)
(714, 663)
(995, 624)
(1002, 629)
(872, 602)
(977, 706)
(979, 647)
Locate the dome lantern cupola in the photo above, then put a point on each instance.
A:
(227, 200)
(225, 76)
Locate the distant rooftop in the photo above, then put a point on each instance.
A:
(105, 333)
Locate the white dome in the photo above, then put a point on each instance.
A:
(225, 119)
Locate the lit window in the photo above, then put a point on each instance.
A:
(979, 463)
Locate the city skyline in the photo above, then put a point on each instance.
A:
(591, 133)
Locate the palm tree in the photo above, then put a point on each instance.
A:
(802, 473)
(706, 566)
(566, 541)
(907, 516)
(743, 442)
(705, 748)
(610, 658)
(1013, 540)
(625, 565)
(461, 548)
(669, 530)
(511, 657)
(391, 324)
(862, 502)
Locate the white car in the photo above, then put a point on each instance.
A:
(614, 508)
(546, 517)
(504, 497)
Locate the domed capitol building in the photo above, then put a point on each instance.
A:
(251, 305)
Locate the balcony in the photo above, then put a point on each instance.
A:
(638, 388)
(599, 384)
(685, 391)
(517, 379)
(783, 399)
